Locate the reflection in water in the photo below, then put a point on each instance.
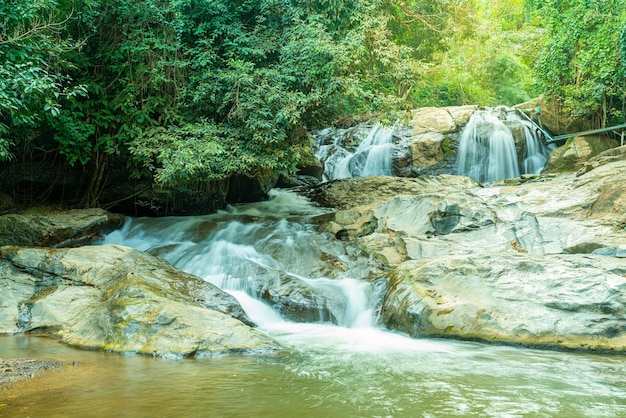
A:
(354, 369)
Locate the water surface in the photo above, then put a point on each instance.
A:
(351, 368)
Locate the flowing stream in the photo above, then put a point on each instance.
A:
(350, 368)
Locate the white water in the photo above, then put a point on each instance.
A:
(487, 150)
(351, 369)
(372, 156)
(242, 251)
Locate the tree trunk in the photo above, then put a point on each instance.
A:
(95, 185)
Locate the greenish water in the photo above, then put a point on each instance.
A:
(354, 369)
(416, 379)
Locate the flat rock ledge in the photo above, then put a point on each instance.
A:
(118, 299)
(574, 302)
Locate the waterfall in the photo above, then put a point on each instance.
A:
(372, 156)
(266, 247)
(487, 147)
(535, 152)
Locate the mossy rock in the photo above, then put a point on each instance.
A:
(576, 151)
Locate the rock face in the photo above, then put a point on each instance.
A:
(118, 299)
(576, 152)
(511, 297)
(431, 139)
(539, 262)
(68, 229)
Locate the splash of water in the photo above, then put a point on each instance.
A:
(246, 249)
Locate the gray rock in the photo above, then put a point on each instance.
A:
(537, 263)
(118, 299)
(574, 154)
(359, 191)
(511, 298)
(71, 228)
(302, 301)
(611, 252)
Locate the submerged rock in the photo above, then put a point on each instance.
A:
(118, 299)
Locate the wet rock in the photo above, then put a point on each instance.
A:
(67, 229)
(304, 300)
(611, 252)
(569, 302)
(118, 299)
(429, 143)
(503, 264)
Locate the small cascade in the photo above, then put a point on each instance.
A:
(535, 151)
(372, 156)
(262, 248)
(497, 144)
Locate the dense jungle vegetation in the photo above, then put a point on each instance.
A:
(187, 91)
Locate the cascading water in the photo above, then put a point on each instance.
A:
(535, 152)
(487, 147)
(252, 251)
(349, 368)
(372, 156)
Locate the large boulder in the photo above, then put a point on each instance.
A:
(301, 300)
(118, 299)
(595, 193)
(510, 297)
(429, 143)
(69, 228)
(576, 152)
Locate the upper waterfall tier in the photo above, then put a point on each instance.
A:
(370, 156)
(497, 144)
(483, 144)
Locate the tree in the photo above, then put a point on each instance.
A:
(582, 65)
(33, 81)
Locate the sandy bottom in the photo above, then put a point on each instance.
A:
(21, 378)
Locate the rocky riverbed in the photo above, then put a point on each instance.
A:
(536, 261)
(14, 370)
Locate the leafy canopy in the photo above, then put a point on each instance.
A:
(189, 91)
(583, 65)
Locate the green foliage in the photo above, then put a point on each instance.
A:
(488, 61)
(197, 90)
(582, 65)
(32, 64)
